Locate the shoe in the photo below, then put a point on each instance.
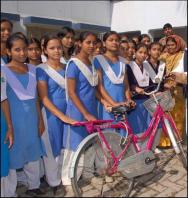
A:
(35, 192)
(157, 151)
(59, 190)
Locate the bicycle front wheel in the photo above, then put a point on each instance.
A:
(177, 144)
(91, 165)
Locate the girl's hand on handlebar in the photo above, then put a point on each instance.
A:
(130, 103)
(139, 90)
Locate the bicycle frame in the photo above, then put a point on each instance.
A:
(158, 117)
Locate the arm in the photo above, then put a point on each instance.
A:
(43, 93)
(103, 92)
(71, 84)
(9, 134)
(41, 121)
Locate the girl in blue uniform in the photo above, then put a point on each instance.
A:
(114, 85)
(139, 80)
(6, 124)
(67, 35)
(6, 141)
(51, 88)
(25, 114)
(81, 79)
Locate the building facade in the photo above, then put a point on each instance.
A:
(38, 17)
(35, 18)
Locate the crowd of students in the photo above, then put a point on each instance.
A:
(48, 85)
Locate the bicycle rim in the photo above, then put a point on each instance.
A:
(91, 177)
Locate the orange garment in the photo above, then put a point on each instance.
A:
(178, 112)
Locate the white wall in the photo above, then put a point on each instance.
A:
(145, 15)
(92, 12)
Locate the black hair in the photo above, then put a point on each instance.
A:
(99, 40)
(133, 42)
(167, 25)
(15, 37)
(34, 40)
(154, 43)
(65, 30)
(141, 45)
(85, 34)
(143, 36)
(43, 37)
(48, 38)
(171, 39)
(107, 34)
(8, 21)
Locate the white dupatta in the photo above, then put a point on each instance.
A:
(142, 78)
(22, 93)
(53, 74)
(91, 76)
(109, 72)
(153, 76)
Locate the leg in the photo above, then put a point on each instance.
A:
(9, 184)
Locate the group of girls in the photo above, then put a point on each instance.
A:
(49, 87)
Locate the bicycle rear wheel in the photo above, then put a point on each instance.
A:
(91, 169)
(177, 144)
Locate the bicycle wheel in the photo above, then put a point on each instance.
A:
(90, 168)
(177, 144)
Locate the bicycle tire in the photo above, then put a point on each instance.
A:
(81, 179)
(181, 154)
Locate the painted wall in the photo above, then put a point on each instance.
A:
(146, 15)
(92, 12)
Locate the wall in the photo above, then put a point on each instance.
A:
(92, 12)
(145, 15)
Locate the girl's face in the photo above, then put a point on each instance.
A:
(146, 40)
(155, 51)
(99, 49)
(141, 54)
(34, 52)
(54, 49)
(6, 31)
(68, 40)
(124, 47)
(89, 44)
(171, 47)
(112, 43)
(18, 51)
(131, 50)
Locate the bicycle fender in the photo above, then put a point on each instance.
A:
(81, 145)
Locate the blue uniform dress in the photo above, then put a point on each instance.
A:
(27, 145)
(57, 96)
(116, 91)
(4, 147)
(86, 93)
(139, 118)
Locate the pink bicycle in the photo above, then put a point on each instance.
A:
(105, 159)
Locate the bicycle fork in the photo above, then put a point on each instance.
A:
(171, 135)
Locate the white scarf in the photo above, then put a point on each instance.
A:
(92, 77)
(17, 87)
(53, 74)
(152, 73)
(109, 72)
(142, 78)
